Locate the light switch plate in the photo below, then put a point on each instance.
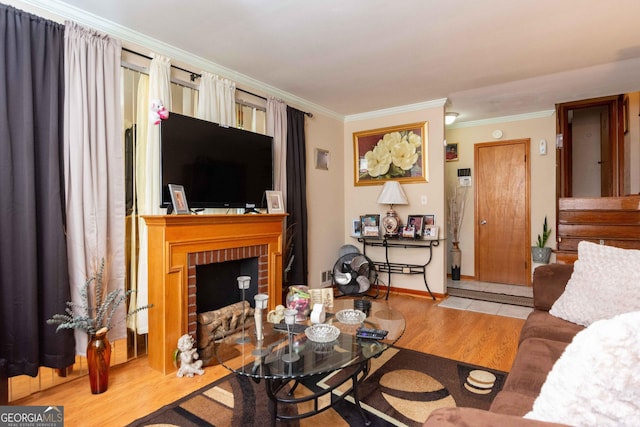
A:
(543, 147)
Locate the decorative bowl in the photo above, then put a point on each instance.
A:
(322, 333)
(350, 317)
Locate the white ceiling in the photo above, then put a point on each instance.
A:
(490, 58)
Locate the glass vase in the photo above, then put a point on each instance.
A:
(299, 299)
(98, 360)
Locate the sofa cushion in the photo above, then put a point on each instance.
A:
(534, 360)
(595, 382)
(541, 324)
(549, 282)
(605, 282)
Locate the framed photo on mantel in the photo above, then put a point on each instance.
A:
(179, 199)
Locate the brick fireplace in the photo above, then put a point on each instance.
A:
(177, 244)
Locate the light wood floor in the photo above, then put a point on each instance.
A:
(136, 390)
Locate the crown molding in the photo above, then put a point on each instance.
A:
(66, 11)
(436, 103)
(503, 119)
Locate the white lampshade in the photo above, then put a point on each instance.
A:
(261, 301)
(392, 194)
(244, 282)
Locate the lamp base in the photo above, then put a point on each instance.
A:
(391, 223)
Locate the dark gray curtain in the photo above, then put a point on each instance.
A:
(297, 194)
(34, 281)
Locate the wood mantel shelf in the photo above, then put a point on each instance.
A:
(171, 238)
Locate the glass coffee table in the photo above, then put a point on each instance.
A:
(268, 360)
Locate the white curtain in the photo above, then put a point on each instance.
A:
(217, 100)
(94, 164)
(277, 128)
(148, 168)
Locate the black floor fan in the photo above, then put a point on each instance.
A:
(354, 274)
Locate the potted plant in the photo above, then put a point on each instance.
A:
(94, 315)
(540, 253)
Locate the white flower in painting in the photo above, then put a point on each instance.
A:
(389, 140)
(415, 140)
(404, 154)
(378, 161)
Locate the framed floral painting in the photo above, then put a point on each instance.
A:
(397, 153)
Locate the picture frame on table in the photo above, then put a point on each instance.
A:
(356, 227)
(429, 220)
(370, 225)
(179, 199)
(416, 221)
(430, 232)
(408, 232)
(274, 202)
(371, 146)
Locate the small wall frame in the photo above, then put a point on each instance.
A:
(322, 159)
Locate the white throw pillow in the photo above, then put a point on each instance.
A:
(605, 282)
(595, 382)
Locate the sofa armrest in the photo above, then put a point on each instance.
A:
(549, 282)
(470, 417)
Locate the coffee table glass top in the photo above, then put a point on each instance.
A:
(264, 359)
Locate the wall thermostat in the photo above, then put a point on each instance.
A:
(464, 177)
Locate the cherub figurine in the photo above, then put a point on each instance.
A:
(188, 355)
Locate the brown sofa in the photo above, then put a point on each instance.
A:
(542, 340)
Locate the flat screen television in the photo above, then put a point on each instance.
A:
(219, 167)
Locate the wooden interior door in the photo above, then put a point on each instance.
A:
(502, 229)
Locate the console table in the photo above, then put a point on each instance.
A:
(400, 268)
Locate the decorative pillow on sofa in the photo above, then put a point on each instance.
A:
(605, 282)
(595, 382)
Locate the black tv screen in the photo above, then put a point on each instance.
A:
(218, 166)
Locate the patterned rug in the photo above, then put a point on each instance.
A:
(402, 388)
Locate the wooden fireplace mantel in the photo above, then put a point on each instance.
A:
(171, 238)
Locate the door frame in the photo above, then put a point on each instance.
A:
(526, 250)
(616, 136)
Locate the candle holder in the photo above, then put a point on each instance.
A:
(290, 319)
(243, 284)
(261, 304)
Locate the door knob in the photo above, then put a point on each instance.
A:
(483, 222)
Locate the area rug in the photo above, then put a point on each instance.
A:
(402, 389)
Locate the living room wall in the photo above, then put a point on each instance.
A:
(543, 172)
(361, 200)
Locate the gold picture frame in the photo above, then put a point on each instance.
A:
(392, 153)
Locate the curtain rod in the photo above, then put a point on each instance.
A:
(193, 76)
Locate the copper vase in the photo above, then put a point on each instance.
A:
(98, 360)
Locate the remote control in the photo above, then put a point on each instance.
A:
(374, 334)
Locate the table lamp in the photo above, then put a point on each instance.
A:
(392, 194)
